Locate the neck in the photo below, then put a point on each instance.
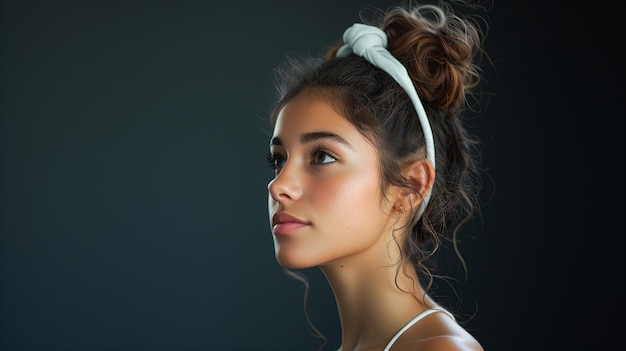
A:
(375, 298)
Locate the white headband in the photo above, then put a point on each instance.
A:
(370, 43)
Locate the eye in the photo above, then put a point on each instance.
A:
(321, 157)
(275, 161)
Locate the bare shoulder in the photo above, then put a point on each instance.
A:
(448, 343)
(441, 343)
(437, 333)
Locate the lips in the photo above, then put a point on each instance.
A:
(283, 224)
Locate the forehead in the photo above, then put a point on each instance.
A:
(309, 111)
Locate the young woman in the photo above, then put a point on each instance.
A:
(374, 171)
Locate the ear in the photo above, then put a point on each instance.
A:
(421, 175)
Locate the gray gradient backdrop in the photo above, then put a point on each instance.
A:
(133, 179)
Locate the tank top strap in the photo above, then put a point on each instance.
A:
(415, 320)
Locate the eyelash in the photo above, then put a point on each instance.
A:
(320, 149)
(273, 157)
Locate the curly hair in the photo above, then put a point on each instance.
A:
(441, 51)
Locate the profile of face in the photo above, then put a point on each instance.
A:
(326, 205)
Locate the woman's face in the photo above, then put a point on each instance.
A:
(325, 203)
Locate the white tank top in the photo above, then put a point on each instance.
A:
(412, 322)
(415, 320)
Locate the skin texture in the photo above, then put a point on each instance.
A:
(339, 197)
(328, 177)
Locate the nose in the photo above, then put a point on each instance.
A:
(287, 185)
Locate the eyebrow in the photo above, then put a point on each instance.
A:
(313, 136)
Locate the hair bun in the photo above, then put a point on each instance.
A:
(438, 49)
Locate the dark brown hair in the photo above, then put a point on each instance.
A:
(441, 51)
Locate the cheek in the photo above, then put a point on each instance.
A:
(350, 200)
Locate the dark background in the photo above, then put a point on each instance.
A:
(133, 180)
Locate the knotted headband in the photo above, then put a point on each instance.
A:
(371, 43)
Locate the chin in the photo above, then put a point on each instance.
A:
(293, 260)
(294, 264)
